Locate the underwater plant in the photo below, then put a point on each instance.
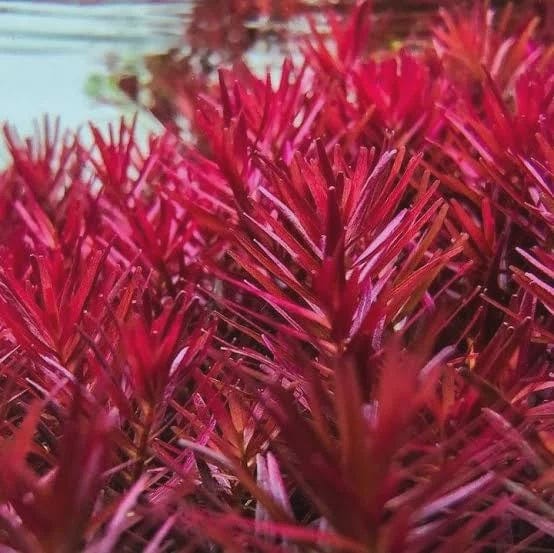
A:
(321, 322)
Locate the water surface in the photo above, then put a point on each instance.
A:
(48, 52)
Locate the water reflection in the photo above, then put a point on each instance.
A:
(49, 27)
(48, 52)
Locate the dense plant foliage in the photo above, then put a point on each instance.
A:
(323, 323)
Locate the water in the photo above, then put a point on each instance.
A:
(48, 52)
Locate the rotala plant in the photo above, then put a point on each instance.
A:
(322, 322)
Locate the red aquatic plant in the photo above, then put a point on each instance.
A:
(324, 321)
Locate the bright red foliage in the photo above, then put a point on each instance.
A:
(324, 323)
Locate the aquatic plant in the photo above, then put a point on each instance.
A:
(324, 322)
